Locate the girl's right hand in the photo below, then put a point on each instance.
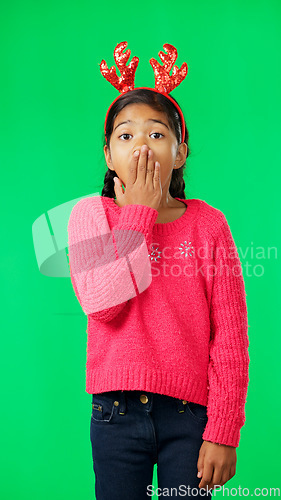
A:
(143, 184)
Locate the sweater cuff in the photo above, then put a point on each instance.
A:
(137, 217)
(222, 431)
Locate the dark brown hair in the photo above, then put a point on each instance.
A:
(160, 103)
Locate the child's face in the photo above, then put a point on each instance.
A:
(129, 137)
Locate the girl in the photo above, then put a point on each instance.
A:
(160, 280)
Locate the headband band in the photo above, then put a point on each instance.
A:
(163, 93)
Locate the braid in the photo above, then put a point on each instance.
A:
(108, 188)
(177, 184)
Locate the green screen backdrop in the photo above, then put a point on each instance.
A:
(53, 101)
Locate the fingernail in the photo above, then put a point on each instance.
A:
(136, 153)
(199, 474)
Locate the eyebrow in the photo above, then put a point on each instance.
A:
(149, 120)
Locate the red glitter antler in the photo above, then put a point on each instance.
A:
(163, 81)
(124, 82)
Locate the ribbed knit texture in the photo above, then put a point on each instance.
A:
(166, 306)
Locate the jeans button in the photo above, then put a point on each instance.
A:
(143, 398)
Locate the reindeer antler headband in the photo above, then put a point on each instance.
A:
(164, 83)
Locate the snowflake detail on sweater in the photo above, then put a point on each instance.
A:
(187, 249)
(155, 254)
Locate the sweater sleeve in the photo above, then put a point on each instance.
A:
(109, 266)
(228, 349)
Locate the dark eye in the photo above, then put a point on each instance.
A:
(123, 134)
(157, 133)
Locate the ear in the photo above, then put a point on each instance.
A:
(181, 155)
(108, 157)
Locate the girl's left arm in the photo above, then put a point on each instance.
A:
(228, 370)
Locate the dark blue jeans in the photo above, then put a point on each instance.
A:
(131, 431)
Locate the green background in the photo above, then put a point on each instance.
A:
(53, 101)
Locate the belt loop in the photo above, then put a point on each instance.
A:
(151, 402)
(122, 405)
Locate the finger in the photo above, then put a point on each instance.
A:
(118, 188)
(216, 479)
(150, 168)
(156, 178)
(232, 471)
(133, 168)
(200, 461)
(226, 476)
(142, 164)
(207, 475)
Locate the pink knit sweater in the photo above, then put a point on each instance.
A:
(166, 306)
